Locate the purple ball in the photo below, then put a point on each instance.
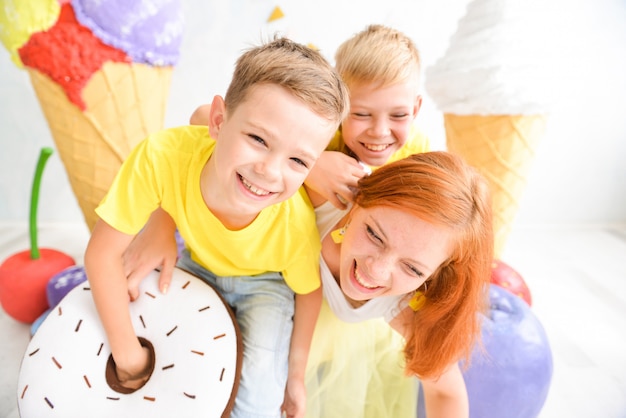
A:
(512, 376)
(180, 243)
(61, 283)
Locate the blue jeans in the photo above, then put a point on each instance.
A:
(264, 308)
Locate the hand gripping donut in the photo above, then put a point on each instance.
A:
(196, 345)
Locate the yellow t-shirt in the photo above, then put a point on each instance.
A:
(164, 170)
(417, 142)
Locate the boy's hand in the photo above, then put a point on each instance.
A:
(137, 372)
(334, 176)
(154, 247)
(294, 405)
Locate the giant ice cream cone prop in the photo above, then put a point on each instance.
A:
(124, 103)
(102, 75)
(490, 85)
(503, 148)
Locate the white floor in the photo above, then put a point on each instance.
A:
(577, 277)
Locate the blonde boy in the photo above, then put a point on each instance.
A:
(381, 68)
(234, 192)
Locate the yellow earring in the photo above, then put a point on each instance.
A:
(337, 235)
(417, 301)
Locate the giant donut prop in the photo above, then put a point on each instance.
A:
(191, 331)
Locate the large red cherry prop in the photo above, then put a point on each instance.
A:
(505, 276)
(25, 275)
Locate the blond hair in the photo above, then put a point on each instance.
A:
(304, 72)
(378, 54)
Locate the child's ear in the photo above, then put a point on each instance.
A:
(217, 115)
(417, 105)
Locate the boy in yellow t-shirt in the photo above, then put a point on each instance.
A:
(381, 68)
(234, 191)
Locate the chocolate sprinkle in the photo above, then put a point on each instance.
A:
(186, 284)
(24, 391)
(49, 403)
(219, 336)
(197, 352)
(189, 396)
(57, 363)
(100, 349)
(78, 325)
(141, 319)
(169, 366)
(33, 353)
(149, 398)
(87, 381)
(203, 309)
(112, 399)
(172, 330)
(222, 374)
(151, 295)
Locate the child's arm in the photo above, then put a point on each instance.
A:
(155, 246)
(307, 309)
(200, 116)
(447, 395)
(333, 177)
(105, 270)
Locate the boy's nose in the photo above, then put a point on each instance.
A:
(379, 128)
(269, 168)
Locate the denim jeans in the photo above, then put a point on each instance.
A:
(264, 309)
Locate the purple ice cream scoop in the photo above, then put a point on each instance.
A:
(149, 31)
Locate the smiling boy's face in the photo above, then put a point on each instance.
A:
(265, 149)
(380, 120)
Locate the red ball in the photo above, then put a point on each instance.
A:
(505, 276)
(23, 282)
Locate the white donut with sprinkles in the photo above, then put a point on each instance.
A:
(196, 345)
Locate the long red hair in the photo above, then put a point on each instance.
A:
(441, 189)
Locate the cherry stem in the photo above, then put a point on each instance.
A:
(45, 153)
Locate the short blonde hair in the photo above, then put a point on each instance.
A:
(378, 54)
(304, 72)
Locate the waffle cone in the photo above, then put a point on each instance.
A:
(124, 103)
(502, 148)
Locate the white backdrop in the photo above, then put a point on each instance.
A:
(578, 177)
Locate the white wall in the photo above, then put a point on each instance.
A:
(578, 176)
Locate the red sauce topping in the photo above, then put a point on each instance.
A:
(69, 54)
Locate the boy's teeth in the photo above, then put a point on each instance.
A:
(376, 147)
(253, 188)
